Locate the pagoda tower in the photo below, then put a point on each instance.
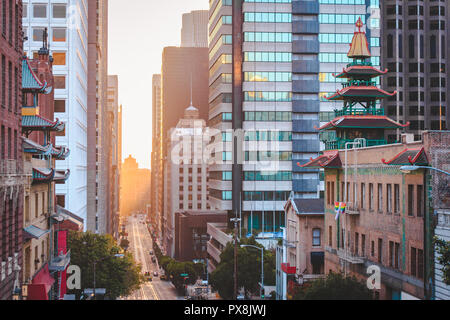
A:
(359, 117)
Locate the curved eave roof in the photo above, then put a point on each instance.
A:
(366, 121)
(360, 71)
(38, 122)
(330, 159)
(360, 92)
(29, 146)
(43, 175)
(30, 81)
(409, 157)
(61, 176)
(60, 153)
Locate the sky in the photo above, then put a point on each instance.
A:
(138, 30)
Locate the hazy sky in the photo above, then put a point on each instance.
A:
(138, 32)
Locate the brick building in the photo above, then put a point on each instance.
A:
(12, 178)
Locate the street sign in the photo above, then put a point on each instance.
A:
(184, 275)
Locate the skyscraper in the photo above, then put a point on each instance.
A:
(157, 165)
(99, 215)
(416, 53)
(250, 46)
(66, 22)
(194, 31)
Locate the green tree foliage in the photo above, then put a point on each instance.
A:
(124, 244)
(334, 287)
(443, 249)
(249, 269)
(120, 276)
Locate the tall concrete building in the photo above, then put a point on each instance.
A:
(67, 27)
(416, 52)
(185, 172)
(12, 176)
(194, 31)
(99, 214)
(321, 33)
(115, 151)
(157, 165)
(250, 46)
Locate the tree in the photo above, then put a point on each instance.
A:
(124, 244)
(249, 270)
(443, 249)
(119, 276)
(334, 287)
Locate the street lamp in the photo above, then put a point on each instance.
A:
(408, 169)
(262, 266)
(100, 260)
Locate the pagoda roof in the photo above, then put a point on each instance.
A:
(43, 175)
(359, 48)
(360, 70)
(29, 146)
(30, 81)
(364, 121)
(37, 122)
(330, 159)
(61, 176)
(60, 153)
(360, 92)
(416, 156)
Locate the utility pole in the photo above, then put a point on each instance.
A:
(235, 220)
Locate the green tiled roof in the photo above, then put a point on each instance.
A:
(40, 122)
(29, 79)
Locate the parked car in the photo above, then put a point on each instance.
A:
(155, 273)
(163, 277)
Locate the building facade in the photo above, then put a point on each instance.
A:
(12, 176)
(115, 153)
(67, 23)
(157, 164)
(194, 31)
(186, 172)
(135, 188)
(416, 53)
(99, 209)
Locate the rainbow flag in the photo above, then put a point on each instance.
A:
(340, 208)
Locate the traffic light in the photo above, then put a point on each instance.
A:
(263, 292)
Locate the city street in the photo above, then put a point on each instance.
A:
(140, 246)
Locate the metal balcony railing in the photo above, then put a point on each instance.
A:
(359, 112)
(340, 143)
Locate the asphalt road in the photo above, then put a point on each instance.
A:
(140, 246)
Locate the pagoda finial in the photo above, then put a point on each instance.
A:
(359, 48)
(359, 24)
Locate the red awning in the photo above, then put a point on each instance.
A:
(40, 285)
(286, 268)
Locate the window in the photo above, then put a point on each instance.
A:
(397, 255)
(363, 245)
(372, 249)
(61, 200)
(371, 196)
(40, 11)
(356, 248)
(410, 200)
(419, 200)
(60, 82)
(316, 237)
(391, 254)
(380, 250)
(36, 205)
(330, 236)
(59, 11)
(25, 11)
(60, 106)
(38, 34)
(396, 198)
(413, 260)
(380, 198)
(59, 58)
(363, 195)
(59, 34)
(389, 198)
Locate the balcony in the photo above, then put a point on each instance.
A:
(349, 256)
(340, 143)
(351, 209)
(359, 112)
